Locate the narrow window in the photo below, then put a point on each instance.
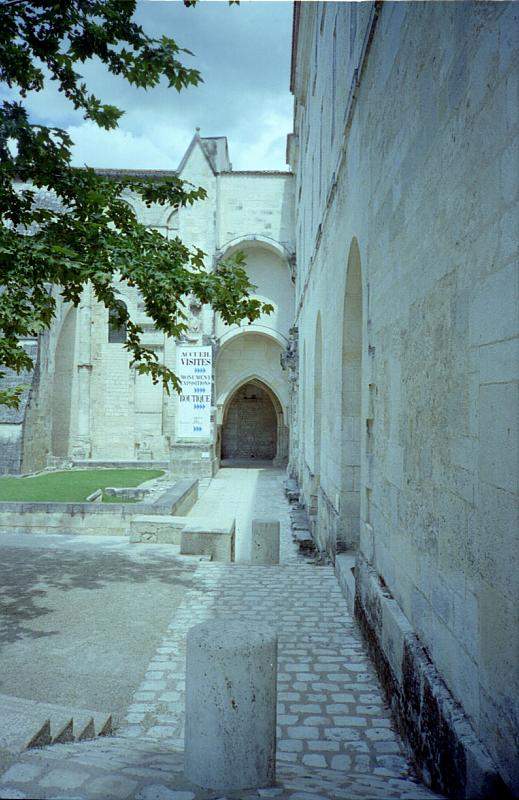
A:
(116, 331)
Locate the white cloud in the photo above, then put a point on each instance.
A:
(243, 53)
(266, 149)
(95, 147)
(257, 143)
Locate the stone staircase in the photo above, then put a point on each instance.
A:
(27, 724)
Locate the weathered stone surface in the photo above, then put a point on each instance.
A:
(205, 537)
(265, 542)
(406, 403)
(161, 528)
(396, 366)
(451, 756)
(231, 705)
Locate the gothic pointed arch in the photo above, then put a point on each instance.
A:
(253, 425)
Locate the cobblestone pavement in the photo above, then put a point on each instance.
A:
(335, 738)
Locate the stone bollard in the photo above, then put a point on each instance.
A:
(230, 736)
(265, 542)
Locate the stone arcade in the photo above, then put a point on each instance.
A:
(387, 374)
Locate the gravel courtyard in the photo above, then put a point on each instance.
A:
(81, 616)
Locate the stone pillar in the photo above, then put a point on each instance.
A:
(281, 440)
(230, 738)
(81, 443)
(265, 542)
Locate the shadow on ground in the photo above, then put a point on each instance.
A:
(26, 577)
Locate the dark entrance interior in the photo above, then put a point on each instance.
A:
(250, 425)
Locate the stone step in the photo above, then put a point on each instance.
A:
(26, 724)
(63, 730)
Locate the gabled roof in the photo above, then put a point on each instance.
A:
(214, 149)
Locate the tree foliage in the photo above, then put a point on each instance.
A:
(90, 234)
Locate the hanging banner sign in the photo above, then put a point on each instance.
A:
(194, 369)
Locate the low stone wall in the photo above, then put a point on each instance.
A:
(180, 499)
(345, 572)
(118, 464)
(441, 740)
(110, 519)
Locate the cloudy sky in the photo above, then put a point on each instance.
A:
(243, 53)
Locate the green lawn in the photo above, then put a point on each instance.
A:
(72, 486)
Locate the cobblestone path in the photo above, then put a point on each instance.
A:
(335, 738)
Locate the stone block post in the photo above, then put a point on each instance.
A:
(265, 542)
(230, 736)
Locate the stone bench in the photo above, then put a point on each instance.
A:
(204, 537)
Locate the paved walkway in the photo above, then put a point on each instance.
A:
(335, 738)
(247, 494)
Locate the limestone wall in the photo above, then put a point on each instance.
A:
(250, 427)
(416, 180)
(255, 203)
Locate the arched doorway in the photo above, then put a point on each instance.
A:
(250, 425)
(348, 535)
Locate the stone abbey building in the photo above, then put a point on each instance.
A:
(87, 404)
(386, 378)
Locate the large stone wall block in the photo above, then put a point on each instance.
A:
(265, 542)
(231, 695)
(160, 528)
(204, 537)
(498, 436)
